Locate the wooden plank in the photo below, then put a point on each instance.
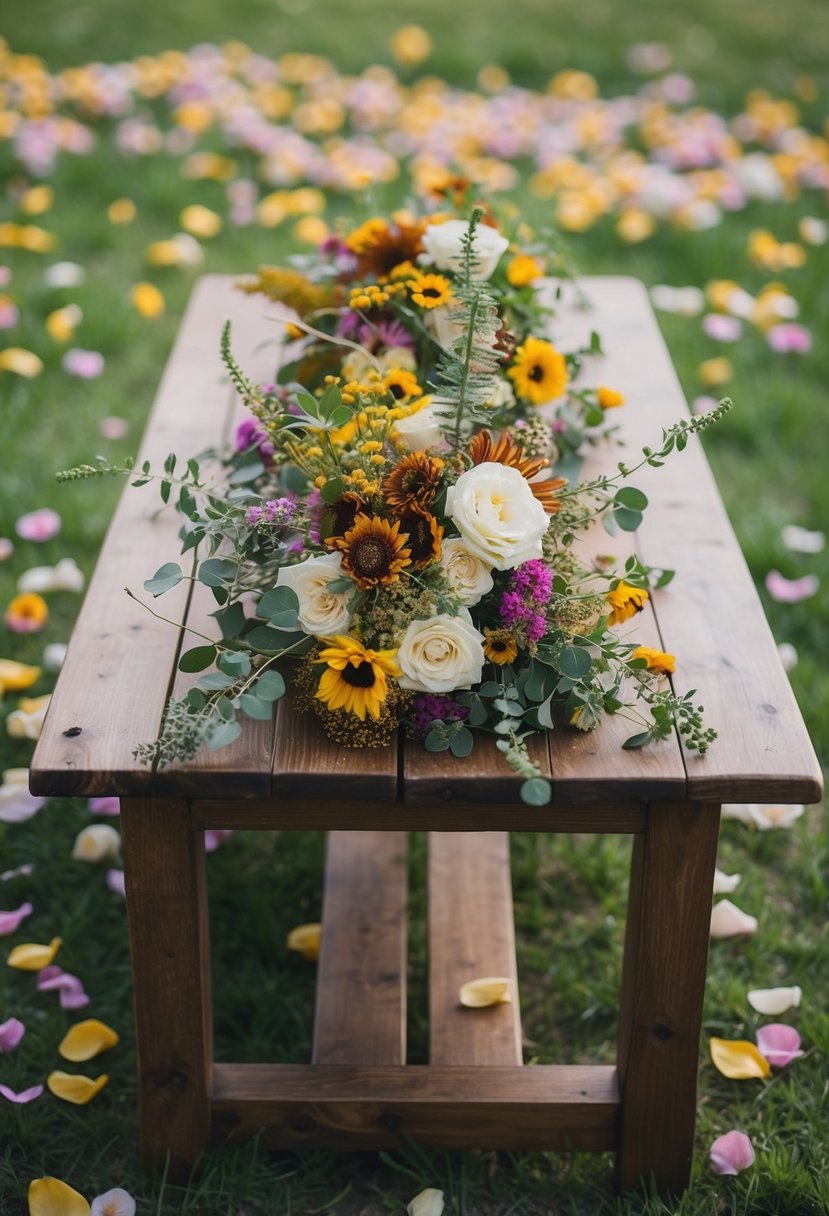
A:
(480, 778)
(334, 814)
(710, 616)
(361, 982)
(666, 946)
(169, 939)
(471, 934)
(544, 1107)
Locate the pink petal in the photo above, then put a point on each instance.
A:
(731, 1153)
(9, 921)
(105, 806)
(25, 1095)
(86, 364)
(54, 978)
(113, 427)
(780, 1044)
(39, 525)
(11, 1032)
(791, 590)
(9, 314)
(789, 339)
(721, 327)
(213, 837)
(16, 806)
(115, 881)
(6, 548)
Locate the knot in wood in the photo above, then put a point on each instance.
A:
(390, 1121)
(662, 1032)
(72, 732)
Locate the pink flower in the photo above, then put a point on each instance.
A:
(213, 837)
(731, 1153)
(25, 1095)
(11, 1032)
(113, 427)
(38, 525)
(9, 314)
(86, 364)
(721, 327)
(780, 1044)
(115, 881)
(6, 548)
(791, 590)
(105, 806)
(789, 339)
(55, 979)
(9, 921)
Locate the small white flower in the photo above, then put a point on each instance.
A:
(443, 244)
(497, 515)
(774, 1001)
(727, 920)
(65, 576)
(322, 612)
(468, 576)
(98, 842)
(441, 655)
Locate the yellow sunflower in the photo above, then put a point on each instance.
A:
(430, 290)
(355, 679)
(401, 383)
(500, 646)
(423, 535)
(414, 481)
(657, 660)
(374, 551)
(539, 371)
(625, 601)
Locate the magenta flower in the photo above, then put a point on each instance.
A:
(791, 590)
(85, 364)
(105, 806)
(731, 1153)
(25, 1095)
(789, 339)
(780, 1044)
(38, 525)
(11, 1032)
(9, 921)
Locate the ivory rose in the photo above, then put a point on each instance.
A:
(468, 576)
(419, 431)
(497, 515)
(444, 243)
(322, 612)
(441, 654)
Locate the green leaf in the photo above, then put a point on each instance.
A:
(216, 571)
(309, 404)
(333, 489)
(197, 659)
(637, 741)
(574, 662)
(270, 686)
(224, 708)
(235, 663)
(437, 739)
(215, 681)
(462, 743)
(293, 479)
(539, 682)
(224, 734)
(489, 688)
(167, 576)
(187, 503)
(278, 599)
(164, 490)
(193, 468)
(477, 712)
(195, 698)
(254, 707)
(247, 472)
(627, 520)
(544, 714)
(269, 640)
(230, 620)
(170, 464)
(629, 496)
(537, 791)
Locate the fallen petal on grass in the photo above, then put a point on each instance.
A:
(70, 988)
(21, 362)
(780, 1044)
(428, 1202)
(801, 540)
(98, 842)
(85, 364)
(305, 939)
(21, 1097)
(86, 1040)
(791, 590)
(10, 921)
(116, 1202)
(75, 1088)
(488, 990)
(772, 1001)
(116, 882)
(727, 920)
(26, 722)
(11, 1032)
(731, 1153)
(51, 1197)
(39, 525)
(113, 427)
(214, 837)
(33, 956)
(17, 677)
(724, 884)
(16, 803)
(738, 1059)
(147, 300)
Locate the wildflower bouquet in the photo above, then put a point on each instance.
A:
(390, 520)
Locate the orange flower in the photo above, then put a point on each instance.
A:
(27, 613)
(625, 601)
(374, 551)
(609, 398)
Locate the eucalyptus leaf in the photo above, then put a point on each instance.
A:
(270, 686)
(224, 734)
(215, 681)
(574, 662)
(278, 599)
(216, 571)
(197, 659)
(254, 707)
(166, 577)
(537, 791)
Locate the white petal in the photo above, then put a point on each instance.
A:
(116, 1202)
(788, 655)
(98, 842)
(727, 920)
(736, 810)
(767, 817)
(774, 1000)
(427, 1203)
(801, 540)
(724, 884)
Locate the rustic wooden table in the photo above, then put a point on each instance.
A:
(358, 1090)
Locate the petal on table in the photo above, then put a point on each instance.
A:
(86, 1040)
(487, 990)
(738, 1059)
(75, 1088)
(731, 1153)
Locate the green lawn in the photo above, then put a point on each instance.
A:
(770, 456)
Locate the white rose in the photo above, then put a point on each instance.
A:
(357, 365)
(497, 515)
(322, 612)
(398, 357)
(441, 654)
(420, 431)
(468, 576)
(98, 842)
(444, 244)
(441, 324)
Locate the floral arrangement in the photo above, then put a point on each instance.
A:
(394, 519)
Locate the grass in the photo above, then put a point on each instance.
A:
(770, 456)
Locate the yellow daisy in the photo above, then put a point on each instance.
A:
(539, 371)
(625, 601)
(430, 290)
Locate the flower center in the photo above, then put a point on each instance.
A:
(360, 675)
(431, 292)
(536, 373)
(371, 556)
(397, 391)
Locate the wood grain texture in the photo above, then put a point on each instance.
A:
(169, 940)
(361, 981)
(337, 814)
(480, 778)
(669, 915)
(471, 934)
(544, 1107)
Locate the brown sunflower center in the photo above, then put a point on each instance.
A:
(361, 675)
(397, 391)
(498, 644)
(413, 480)
(371, 556)
(536, 373)
(431, 292)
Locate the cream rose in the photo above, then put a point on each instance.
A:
(468, 576)
(441, 654)
(322, 612)
(443, 244)
(497, 515)
(420, 431)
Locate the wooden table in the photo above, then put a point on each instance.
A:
(358, 1091)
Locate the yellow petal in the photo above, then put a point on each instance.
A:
(75, 1088)
(305, 939)
(87, 1039)
(15, 677)
(37, 200)
(21, 362)
(200, 221)
(147, 299)
(51, 1197)
(738, 1059)
(32, 956)
(488, 990)
(311, 229)
(121, 211)
(62, 323)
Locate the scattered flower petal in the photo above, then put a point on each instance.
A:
(22, 362)
(11, 1032)
(113, 427)
(24, 1095)
(116, 1202)
(40, 525)
(70, 988)
(87, 1039)
(62, 323)
(147, 300)
(801, 540)
(98, 842)
(813, 231)
(51, 1197)
(33, 956)
(488, 990)
(75, 1088)
(200, 221)
(789, 339)
(85, 364)
(17, 677)
(53, 655)
(9, 313)
(714, 372)
(6, 548)
(109, 806)
(305, 939)
(115, 882)
(27, 613)
(766, 817)
(64, 274)
(724, 884)
(18, 872)
(121, 211)
(772, 1001)
(10, 921)
(780, 1044)
(722, 327)
(65, 576)
(16, 803)
(731, 1153)
(426, 1203)
(213, 837)
(791, 590)
(738, 1059)
(26, 722)
(788, 655)
(727, 920)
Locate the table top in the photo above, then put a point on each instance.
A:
(121, 661)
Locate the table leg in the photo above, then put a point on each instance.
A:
(663, 983)
(170, 946)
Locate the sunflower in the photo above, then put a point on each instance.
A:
(500, 646)
(339, 517)
(657, 660)
(539, 371)
(374, 551)
(625, 601)
(355, 678)
(401, 383)
(424, 536)
(430, 290)
(484, 450)
(380, 247)
(414, 482)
